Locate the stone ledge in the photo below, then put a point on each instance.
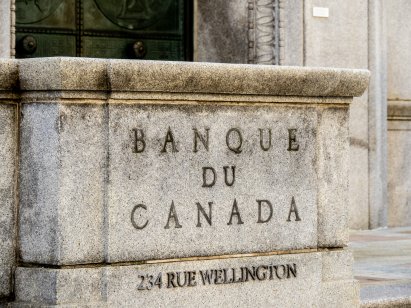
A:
(235, 79)
(79, 74)
(398, 110)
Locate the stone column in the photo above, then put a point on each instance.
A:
(377, 114)
(8, 178)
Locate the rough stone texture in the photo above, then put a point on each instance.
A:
(62, 176)
(74, 209)
(156, 179)
(6, 280)
(8, 171)
(332, 177)
(337, 265)
(61, 73)
(117, 286)
(220, 31)
(8, 75)
(157, 76)
(56, 287)
(399, 162)
(5, 29)
(341, 41)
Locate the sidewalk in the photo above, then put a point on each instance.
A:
(383, 266)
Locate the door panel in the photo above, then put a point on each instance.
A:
(149, 29)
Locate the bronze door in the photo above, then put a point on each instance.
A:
(130, 29)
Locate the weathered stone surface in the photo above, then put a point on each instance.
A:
(221, 37)
(61, 73)
(8, 171)
(8, 75)
(62, 174)
(152, 173)
(399, 162)
(332, 177)
(89, 185)
(278, 281)
(185, 77)
(64, 286)
(6, 280)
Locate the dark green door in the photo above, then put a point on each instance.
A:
(131, 29)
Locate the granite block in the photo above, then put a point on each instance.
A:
(62, 176)
(288, 280)
(162, 193)
(333, 177)
(111, 180)
(8, 188)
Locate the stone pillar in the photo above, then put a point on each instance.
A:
(8, 178)
(377, 114)
(399, 112)
(140, 179)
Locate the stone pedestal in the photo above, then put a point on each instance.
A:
(183, 184)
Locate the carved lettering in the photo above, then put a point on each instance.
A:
(169, 139)
(261, 272)
(262, 143)
(204, 139)
(133, 221)
(270, 207)
(218, 276)
(139, 142)
(207, 217)
(291, 269)
(172, 215)
(171, 280)
(292, 140)
(227, 182)
(214, 177)
(235, 212)
(234, 148)
(293, 209)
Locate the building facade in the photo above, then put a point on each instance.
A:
(352, 34)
